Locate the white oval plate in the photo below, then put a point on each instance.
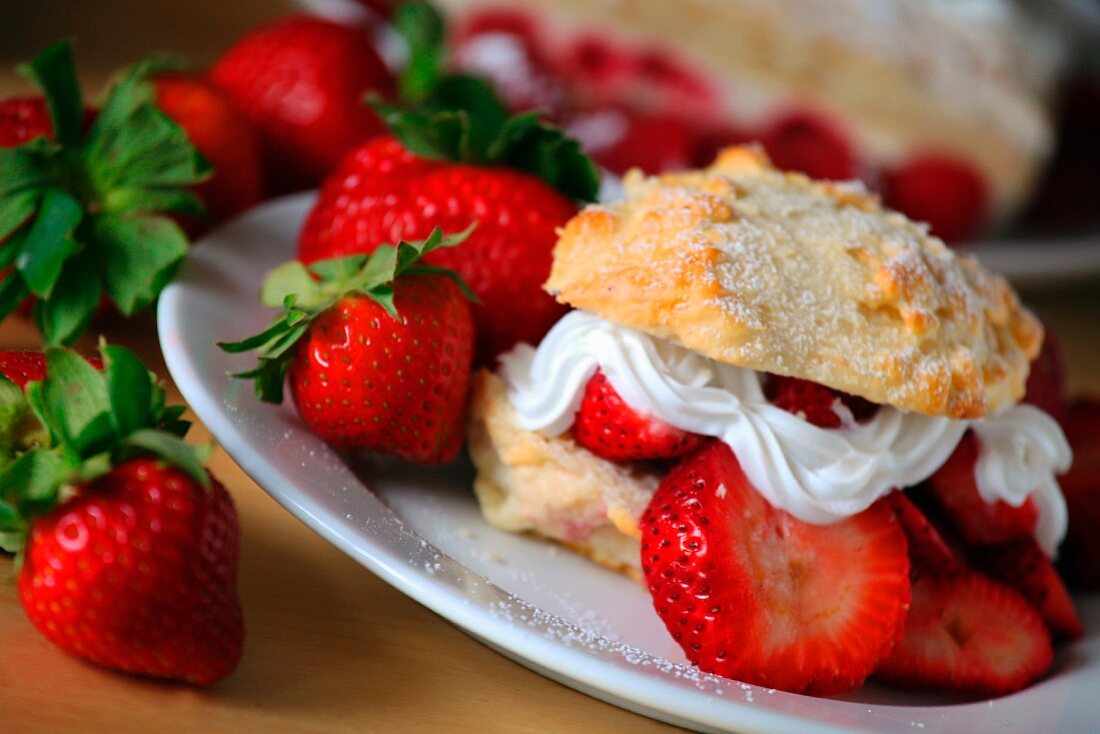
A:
(554, 612)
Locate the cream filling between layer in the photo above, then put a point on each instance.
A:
(818, 475)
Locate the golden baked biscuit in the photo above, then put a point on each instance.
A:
(527, 482)
(781, 274)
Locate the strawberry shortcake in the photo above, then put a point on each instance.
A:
(800, 421)
(940, 105)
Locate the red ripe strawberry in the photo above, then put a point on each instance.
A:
(751, 593)
(943, 191)
(138, 573)
(810, 400)
(595, 64)
(955, 489)
(652, 142)
(23, 366)
(1046, 383)
(608, 427)
(1021, 565)
(22, 119)
(806, 142)
(377, 350)
(967, 633)
(223, 136)
(928, 550)
(383, 193)
(1080, 554)
(135, 569)
(363, 379)
(301, 82)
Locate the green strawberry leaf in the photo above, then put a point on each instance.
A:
(421, 26)
(136, 200)
(103, 192)
(454, 117)
(289, 278)
(13, 291)
(139, 256)
(76, 402)
(49, 242)
(54, 72)
(186, 457)
(31, 482)
(129, 387)
(72, 307)
(15, 211)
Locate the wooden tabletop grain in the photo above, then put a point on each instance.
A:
(329, 648)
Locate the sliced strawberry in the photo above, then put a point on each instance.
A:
(651, 142)
(1021, 565)
(608, 427)
(1047, 387)
(807, 399)
(927, 548)
(967, 633)
(1080, 554)
(806, 142)
(752, 593)
(955, 489)
(943, 191)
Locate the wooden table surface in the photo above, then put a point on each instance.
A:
(329, 647)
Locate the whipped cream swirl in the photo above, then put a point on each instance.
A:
(818, 475)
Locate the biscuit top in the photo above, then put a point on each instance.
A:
(781, 274)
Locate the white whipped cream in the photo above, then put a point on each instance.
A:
(818, 475)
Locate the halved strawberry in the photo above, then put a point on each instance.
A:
(1021, 565)
(608, 427)
(967, 633)
(955, 489)
(1046, 382)
(752, 593)
(807, 142)
(941, 190)
(1080, 556)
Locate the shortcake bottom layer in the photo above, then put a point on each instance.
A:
(527, 482)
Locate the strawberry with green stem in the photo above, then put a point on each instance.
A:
(86, 215)
(455, 156)
(128, 547)
(377, 349)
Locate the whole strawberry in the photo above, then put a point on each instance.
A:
(505, 260)
(301, 82)
(221, 134)
(88, 204)
(138, 572)
(22, 119)
(133, 566)
(377, 350)
(458, 158)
